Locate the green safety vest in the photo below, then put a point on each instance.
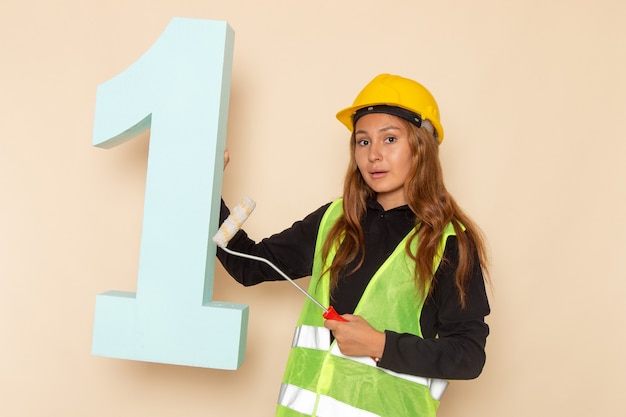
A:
(320, 381)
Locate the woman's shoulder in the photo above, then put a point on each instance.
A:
(314, 218)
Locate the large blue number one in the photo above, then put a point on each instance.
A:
(179, 89)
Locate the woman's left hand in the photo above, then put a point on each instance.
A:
(226, 158)
(356, 337)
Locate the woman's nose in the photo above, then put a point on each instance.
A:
(375, 153)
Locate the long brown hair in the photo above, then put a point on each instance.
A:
(433, 207)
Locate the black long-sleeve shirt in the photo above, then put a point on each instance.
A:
(453, 343)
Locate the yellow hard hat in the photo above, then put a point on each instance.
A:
(394, 95)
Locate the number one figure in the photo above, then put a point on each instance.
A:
(179, 89)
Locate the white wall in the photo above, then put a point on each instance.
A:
(532, 95)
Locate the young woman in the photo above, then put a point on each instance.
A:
(396, 257)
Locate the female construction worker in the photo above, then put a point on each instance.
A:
(396, 257)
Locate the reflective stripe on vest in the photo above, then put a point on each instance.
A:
(303, 401)
(313, 337)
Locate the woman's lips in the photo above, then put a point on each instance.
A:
(378, 174)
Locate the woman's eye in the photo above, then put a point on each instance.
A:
(362, 142)
(390, 139)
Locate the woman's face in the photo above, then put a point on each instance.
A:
(383, 156)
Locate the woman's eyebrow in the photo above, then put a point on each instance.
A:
(383, 129)
(390, 127)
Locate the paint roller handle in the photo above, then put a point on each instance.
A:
(331, 314)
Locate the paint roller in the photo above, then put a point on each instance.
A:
(229, 228)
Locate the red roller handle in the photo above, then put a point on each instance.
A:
(331, 314)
